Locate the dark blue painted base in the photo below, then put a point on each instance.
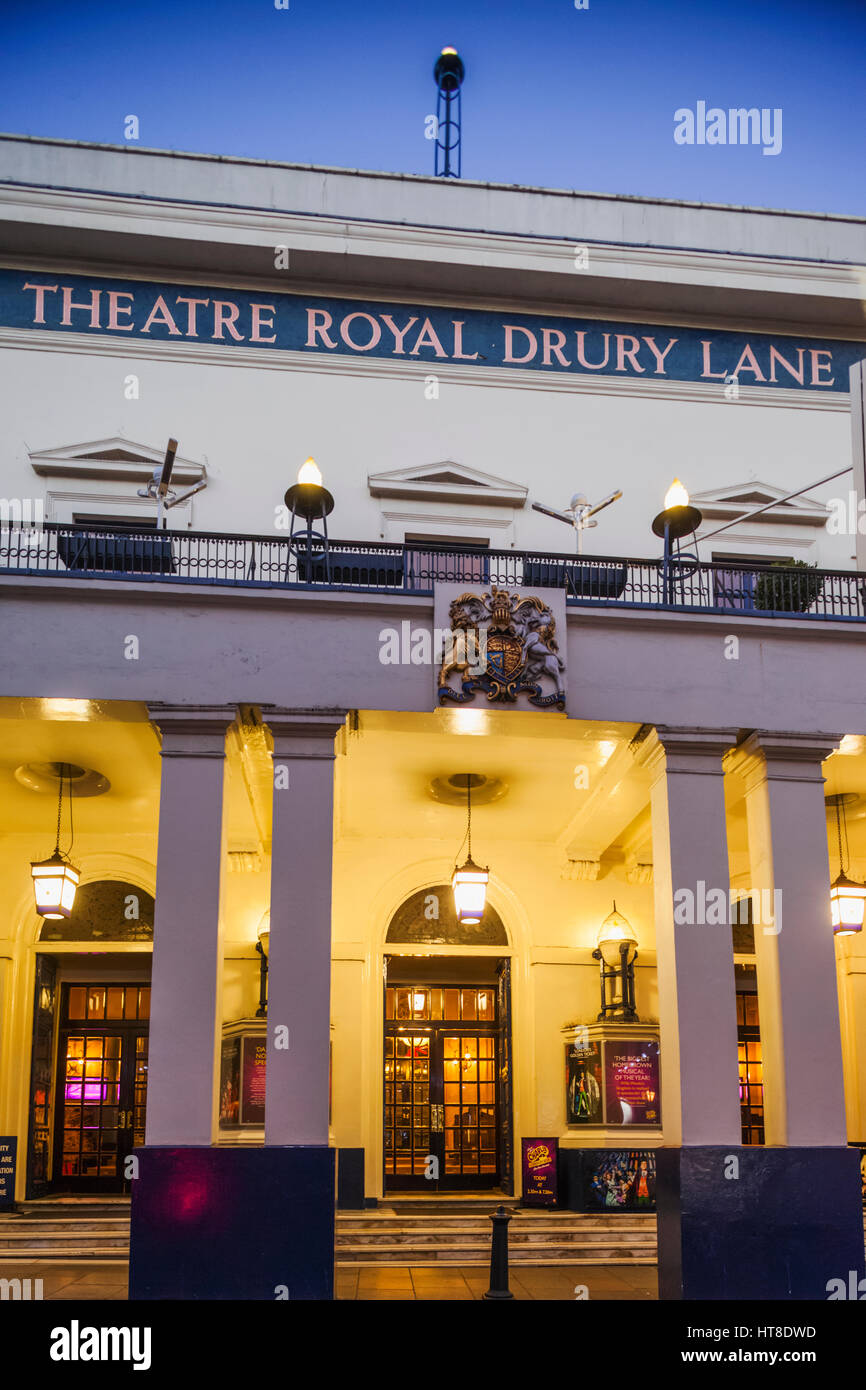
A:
(350, 1179)
(232, 1223)
(790, 1222)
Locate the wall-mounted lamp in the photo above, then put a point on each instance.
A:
(262, 944)
(616, 952)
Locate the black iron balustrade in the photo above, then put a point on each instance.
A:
(197, 557)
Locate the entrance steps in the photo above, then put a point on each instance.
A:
(459, 1234)
(422, 1232)
(66, 1228)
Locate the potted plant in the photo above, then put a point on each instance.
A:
(787, 586)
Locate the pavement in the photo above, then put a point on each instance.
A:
(91, 1279)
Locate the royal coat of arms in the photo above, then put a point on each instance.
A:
(502, 644)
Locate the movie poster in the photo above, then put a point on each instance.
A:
(230, 1078)
(620, 1180)
(583, 1094)
(631, 1082)
(253, 1095)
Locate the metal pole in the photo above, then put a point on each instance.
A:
(499, 1256)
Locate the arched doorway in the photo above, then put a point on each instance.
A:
(447, 1055)
(90, 1042)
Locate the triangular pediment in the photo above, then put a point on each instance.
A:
(448, 481)
(115, 458)
(738, 499)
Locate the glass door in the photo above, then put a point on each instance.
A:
(442, 1130)
(101, 1085)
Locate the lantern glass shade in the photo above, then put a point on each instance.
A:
(264, 932)
(310, 473)
(469, 884)
(847, 906)
(614, 931)
(676, 495)
(54, 883)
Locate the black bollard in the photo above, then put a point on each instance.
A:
(499, 1256)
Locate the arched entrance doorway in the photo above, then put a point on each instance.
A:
(90, 1042)
(447, 1055)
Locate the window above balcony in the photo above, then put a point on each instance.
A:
(100, 479)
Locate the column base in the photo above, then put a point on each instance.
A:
(791, 1222)
(226, 1223)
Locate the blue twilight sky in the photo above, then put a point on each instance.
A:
(554, 96)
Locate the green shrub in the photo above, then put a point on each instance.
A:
(788, 586)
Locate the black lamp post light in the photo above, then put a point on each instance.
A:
(678, 519)
(616, 953)
(262, 949)
(308, 500)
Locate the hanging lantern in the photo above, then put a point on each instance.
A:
(469, 883)
(55, 879)
(847, 898)
(469, 880)
(847, 906)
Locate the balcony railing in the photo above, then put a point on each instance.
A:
(197, 557)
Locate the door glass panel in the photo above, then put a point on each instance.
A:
(139, 1086)
(114, 1006)
(96, 1002)
(472, 1146)
(407, 1123)
(90, 1129)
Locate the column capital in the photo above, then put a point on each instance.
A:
(671, 748)
(781, 757)
(192, 731)
(303, 733)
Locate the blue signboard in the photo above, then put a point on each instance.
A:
(428, 335)
(8, 1157)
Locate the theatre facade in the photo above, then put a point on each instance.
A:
(407, 836)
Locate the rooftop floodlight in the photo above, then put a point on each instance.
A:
(449, 73)
(579, 513)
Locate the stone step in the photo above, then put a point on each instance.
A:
(557, 1222)
(56, 1223)
(464, 1254)
(483, 1237)
(32, 1240)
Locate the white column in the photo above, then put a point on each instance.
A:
(697, 1004)
(187, 950)
(797, 996)
(857, 377)
(299, 959)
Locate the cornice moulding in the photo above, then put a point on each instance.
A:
(346, 236)
(276, 359)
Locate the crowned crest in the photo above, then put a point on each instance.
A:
(502, 644)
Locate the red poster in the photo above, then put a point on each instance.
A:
(253, 1073)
